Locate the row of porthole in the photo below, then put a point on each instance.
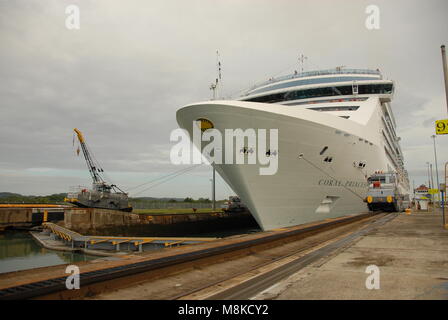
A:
(360, 164)
(247, 150)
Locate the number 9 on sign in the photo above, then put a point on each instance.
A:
(442, 126)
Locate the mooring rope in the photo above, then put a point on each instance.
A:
(301, 156)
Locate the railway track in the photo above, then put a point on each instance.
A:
(292, 262)
(53, 286)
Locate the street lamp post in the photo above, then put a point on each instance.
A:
(432, 186)
(445, 73)
(444, 178)
(213, 189)
(432, 176)
(444, 199)
(435, 159)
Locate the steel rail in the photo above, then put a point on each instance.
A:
(250, 288)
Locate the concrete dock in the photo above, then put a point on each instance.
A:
(28, 215)
(94, 221)
(411, 252)
(325, 260)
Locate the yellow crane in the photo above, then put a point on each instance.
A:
(102, 195)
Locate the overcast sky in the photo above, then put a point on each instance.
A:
(121, 77)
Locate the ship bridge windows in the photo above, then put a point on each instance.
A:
(381, 179)
(310, 81)
(336, 108)
(384, 88)
(326, 101)
(375, 89)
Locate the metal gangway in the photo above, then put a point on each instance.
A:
(77, 240)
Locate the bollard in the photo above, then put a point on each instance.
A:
(45, 215)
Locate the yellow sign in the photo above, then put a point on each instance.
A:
(433, 191)
(442, 126)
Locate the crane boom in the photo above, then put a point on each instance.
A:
(94, 170)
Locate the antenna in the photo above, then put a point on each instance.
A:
(218, 81)
(302, 59)
(213, 88)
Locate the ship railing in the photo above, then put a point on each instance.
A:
(311, 74)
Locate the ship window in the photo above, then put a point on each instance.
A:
(336, 108)
(326, 101)
(386, 88)
(377, 178)
(323, 150)
(375, 89)
(345, 117)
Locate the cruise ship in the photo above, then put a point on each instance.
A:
(335, 129)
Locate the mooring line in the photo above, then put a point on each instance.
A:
(301, 156)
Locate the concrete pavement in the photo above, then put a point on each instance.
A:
(411, 252)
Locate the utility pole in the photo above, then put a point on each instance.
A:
(445, 73)
(446, 164)
(432, 176)
(445, 225)
(429, 176)
(432, 183)
(413, 188)
(435, 159)
(213, 190)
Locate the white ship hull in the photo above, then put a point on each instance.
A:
(306, 188)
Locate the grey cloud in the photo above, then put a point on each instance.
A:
(123, 75)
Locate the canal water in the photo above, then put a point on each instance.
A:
(19, 251)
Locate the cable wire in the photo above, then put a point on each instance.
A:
(162, 177)
(168, 178)
(312, 164)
